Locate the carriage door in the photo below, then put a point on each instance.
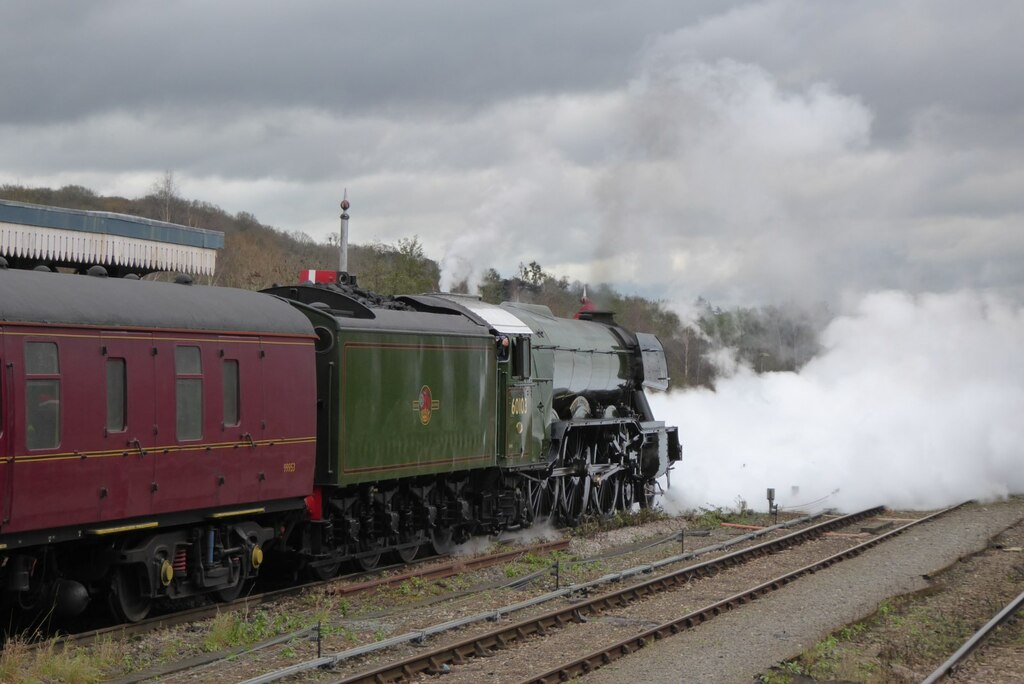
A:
(6, 421)
(129, 422)
(521, 444)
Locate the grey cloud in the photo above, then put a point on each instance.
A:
(777, 150)
(68, 60)
(900, 57)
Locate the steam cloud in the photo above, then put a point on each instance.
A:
(917, 403)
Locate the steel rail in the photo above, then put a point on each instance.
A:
(455, 567)
(953, 663)
(608, 654)
(435, 660)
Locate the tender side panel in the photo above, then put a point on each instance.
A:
(414, 404)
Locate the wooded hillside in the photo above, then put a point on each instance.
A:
(256, 256)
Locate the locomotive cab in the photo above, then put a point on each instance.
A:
(522, 415)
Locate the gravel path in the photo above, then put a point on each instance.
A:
(739, 645)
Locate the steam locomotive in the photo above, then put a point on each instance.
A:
(162, 440)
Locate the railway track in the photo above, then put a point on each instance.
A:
(443, 658)
(440, 659)
(948, 668)
(289, 642)
(336, 586)
(608, 653)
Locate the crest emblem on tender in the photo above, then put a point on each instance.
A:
(426, 404)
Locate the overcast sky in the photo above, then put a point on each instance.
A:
(748, 152)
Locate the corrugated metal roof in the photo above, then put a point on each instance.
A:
(68, 299)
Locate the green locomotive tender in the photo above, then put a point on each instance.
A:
(440, 416)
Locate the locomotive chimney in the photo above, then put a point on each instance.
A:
(343, 242)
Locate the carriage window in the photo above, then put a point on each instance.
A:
(231, 393)
(117, 396)
(41, 358)
(42, 395)
(188, 393)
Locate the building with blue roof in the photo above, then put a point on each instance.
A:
(32, 235)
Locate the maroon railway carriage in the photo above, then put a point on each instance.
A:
(152, 437)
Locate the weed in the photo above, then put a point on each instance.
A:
(13, 659)
(782, 673)
(591, 525)
(851, 632)
(74, 665)
(414, 586)
(531, 562)
(774, 677)
(869, 668)
(709, 517)
(228, 630)
(339, 631)
(821, 660)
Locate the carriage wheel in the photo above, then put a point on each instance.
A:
(229, 594)
(126, 596)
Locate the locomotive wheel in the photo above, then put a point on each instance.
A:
(371, 560)
(441, 540)
(626, 494)
(323, 572)
(605, 496)
(539, 499)
(125, 596)
(407, 554)
(573, 494)
(573, 491)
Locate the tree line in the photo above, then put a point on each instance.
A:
(255, 256)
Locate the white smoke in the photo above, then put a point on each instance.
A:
(917, 403)
(541, 532)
